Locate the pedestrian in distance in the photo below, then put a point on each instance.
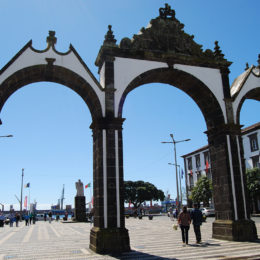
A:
(26, 217)
(17, 219)
(34, 217)
(11, 219)
(30, 217)
(45, 216)
(184, 221)
(50, 216)
(196, 216)
(176, 213)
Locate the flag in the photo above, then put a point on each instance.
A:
(87, 186)
(27, 185)
(182, 173)
(25, 202)
(207, 166)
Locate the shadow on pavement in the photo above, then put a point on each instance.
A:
(140, 255)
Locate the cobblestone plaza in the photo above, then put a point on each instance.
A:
(154, 239)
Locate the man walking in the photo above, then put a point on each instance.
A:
(196, 216)
(50, 216)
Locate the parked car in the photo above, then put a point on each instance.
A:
(39, 217)
(208, 211)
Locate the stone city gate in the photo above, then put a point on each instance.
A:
(162, 53)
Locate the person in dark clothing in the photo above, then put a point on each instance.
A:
(17, 218)
(196, 216)
(50, 216)
(184, 221)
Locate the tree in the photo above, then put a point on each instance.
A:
(138, 192)
(202, 191)
(253, 185)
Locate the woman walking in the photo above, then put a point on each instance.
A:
(184, 221)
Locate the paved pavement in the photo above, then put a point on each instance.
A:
(150, 239)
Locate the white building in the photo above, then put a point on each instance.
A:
(197, 163)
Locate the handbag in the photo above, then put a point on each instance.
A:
(175, 226)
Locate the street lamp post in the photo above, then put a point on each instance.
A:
(173, 164)
(174, 142)
(1, 137)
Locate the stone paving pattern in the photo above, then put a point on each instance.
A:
(149, 239)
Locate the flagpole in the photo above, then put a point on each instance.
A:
(21, 201)
(29, 199)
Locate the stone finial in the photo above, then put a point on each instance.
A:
(51, 39)
(109, 37)
(218, 53)
(247, 66)
(167, 12)
(258, 61)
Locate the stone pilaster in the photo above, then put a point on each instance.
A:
(229, 189)
(108, 234)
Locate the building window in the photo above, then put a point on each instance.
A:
(255, 161)
(206, 157)
(253, 142)
(197, 158)
(190, 163)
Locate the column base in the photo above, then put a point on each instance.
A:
(240, 230)
(109, 240)
(80, 209)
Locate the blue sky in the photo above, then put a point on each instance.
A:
(50, 123)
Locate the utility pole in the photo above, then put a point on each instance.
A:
(174, 142)
(21, 200)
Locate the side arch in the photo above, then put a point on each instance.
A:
(56, 74)
(251, 94)
(186, 82)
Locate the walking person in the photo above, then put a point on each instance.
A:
(50, 216)
(17, 218)
(196, 216)
(184, 221)
(11, 218)
(30, 218)
(26, 217)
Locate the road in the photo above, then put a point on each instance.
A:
(150, 239)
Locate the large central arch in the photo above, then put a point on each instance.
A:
(161, 53)
(186, 82)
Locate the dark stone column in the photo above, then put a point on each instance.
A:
(232, 218)
(108, 235)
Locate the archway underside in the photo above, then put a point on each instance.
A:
(253, 94)
(54, 74)
(198, 91)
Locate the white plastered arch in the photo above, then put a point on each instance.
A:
(29, 57)
(125, 70)
(251, 83)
